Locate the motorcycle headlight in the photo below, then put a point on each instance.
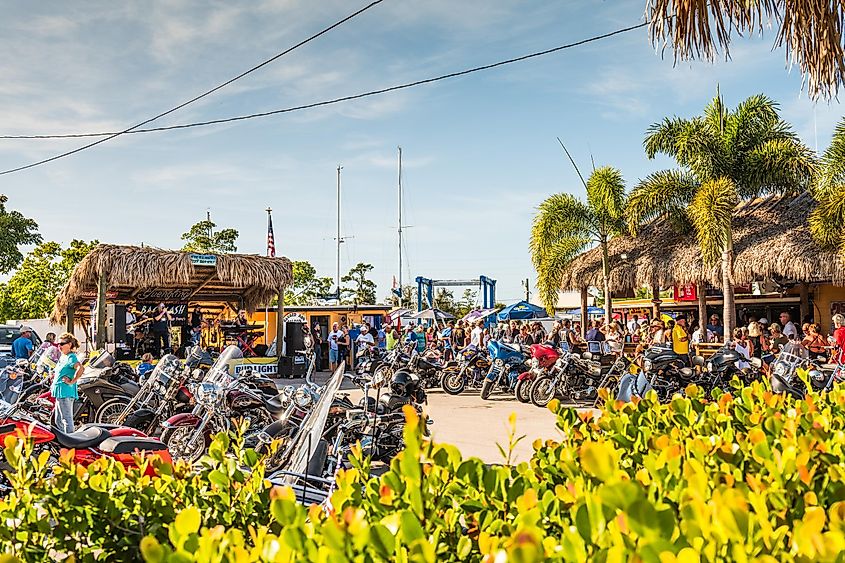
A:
(779, 370)
(816, 375)
(499, 362)
(647, 365)
(208, 393)
(535, 363)
(302, 398)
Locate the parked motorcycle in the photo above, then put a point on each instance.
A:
(719, 369)
(507, 363)
(663, 370)
(163, 394)
(221, 402)
(472, 365)
(786, 379)
(105, 388)
(543, 360)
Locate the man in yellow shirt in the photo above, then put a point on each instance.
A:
(680, 339)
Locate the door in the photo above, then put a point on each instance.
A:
(323, 321)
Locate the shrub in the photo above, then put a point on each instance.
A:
(742, 475)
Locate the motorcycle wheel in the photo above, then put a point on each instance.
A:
(543, 391)
(391, 442)
(274, 462)
(486, 389)
(523, 390)
(183, 444)
(111, 410)
(454, 382)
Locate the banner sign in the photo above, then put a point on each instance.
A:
(163, 295)
(685, 292)
(262, 366)
(203, 259)
(178, 311)
(295, 318)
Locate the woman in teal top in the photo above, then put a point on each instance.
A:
(65, 375)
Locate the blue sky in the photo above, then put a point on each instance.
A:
(479, 152)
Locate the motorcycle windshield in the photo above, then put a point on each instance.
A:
(223, 369)
(795, 349)
(313, 427)
(164, 369)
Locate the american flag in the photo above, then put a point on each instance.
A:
(271, 242)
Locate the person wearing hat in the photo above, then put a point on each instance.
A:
(334, 336)
(680, 339)
(22, 346)
(365, 341)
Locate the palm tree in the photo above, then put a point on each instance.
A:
(725, 157)
(811, 31)
(565, 226)
(828, 217)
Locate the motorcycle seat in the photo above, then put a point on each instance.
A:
(130, 445)
(274, 405)
(86, 438)
(827, 367)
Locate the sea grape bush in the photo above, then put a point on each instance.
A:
(736, 476)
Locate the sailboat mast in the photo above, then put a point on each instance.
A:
(400, 226)
(339, 240)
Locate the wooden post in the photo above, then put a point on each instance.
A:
(805, 301)
(655, 302)
(101, 310)
(70, 314)
(702, 310)
(280, 323)
(584, 312)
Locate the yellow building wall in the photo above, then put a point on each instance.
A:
(825, 296)
(334, 317)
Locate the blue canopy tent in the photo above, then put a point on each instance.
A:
(520, 311)
(591, 312)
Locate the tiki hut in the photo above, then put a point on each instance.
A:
(112, 273)
(771, 240)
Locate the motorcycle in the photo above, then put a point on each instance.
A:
(221, 401)
(105, 388)
(89, 443)
(720, 368)
(507, 363)
(470, 370)
(663, 370)
(786, 379)
(162, 394)
(543, 359)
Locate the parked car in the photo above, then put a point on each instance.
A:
(8, 334)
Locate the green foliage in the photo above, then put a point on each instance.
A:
(15, 231)
(363, 290)
(564, 227)
(202, 238)
(828, 216)
(742, 475)
(307, 287)
(30, 292)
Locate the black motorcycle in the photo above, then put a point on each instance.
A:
(469, 371)
(662, 370)
(105, 388)
(719, 369)
(429, 371)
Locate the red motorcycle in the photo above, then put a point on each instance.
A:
(89, 444)
(543, 359)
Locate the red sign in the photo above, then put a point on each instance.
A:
(686, 292)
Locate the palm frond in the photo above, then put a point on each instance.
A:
(831, 171)
(711, 212)
(777, 166)
(661, 137)
(811, 31)
(551, 265)
(560, 218)
(606, 198)
(661, 194)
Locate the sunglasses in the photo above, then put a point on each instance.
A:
(63, 342)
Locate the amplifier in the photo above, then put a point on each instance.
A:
(115, 323)
(292, 366)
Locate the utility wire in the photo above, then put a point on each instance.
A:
(334, 100)
(199, 97)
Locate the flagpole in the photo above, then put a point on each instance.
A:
(267, 305)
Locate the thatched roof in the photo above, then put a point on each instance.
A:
(771, 239)
(142, 272)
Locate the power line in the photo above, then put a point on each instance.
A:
(335, 100)
(201, 96)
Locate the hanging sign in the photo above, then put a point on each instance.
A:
(203, 259)
(295, 318)
(685, 292)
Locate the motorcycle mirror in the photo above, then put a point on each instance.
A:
(587, 355)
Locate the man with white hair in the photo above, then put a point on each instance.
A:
(365, 340)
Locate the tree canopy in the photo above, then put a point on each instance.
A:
(30, 292)
(202, 238)
(363, 290)
(15, 231)
(307, 287)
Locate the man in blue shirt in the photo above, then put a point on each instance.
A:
(22, 346)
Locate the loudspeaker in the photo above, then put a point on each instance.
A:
(292, 366)
(115, 323)
(294, 338)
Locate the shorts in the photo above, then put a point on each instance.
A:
(333, 355)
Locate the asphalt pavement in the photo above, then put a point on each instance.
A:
(474, 425)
